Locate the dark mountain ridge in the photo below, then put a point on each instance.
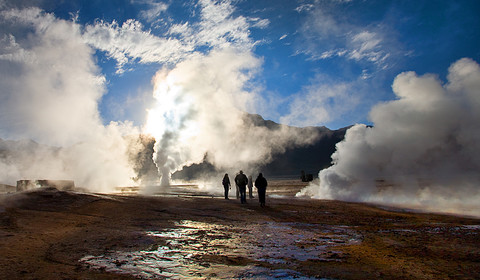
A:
(309, 158)
(288, 163)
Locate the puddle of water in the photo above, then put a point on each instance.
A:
(473, 227)
(230, 250)
(465, 229)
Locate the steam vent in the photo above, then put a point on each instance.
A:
(65, 185)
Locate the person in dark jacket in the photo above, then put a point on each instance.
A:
(241, 180)
(226, 184)
(261, 185)
(250, 187)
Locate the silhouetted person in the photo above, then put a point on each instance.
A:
(236, 186)
(250, 187)
(241, 180)
(303, 176)
(261, 185)
(226, 184)
(237, 189)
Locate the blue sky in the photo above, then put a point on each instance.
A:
(321, 62)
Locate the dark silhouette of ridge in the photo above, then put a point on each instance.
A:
(309, 158)
(288, 164)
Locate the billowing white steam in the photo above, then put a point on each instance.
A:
(423, 150)
(201, 102)
(200, 110)
(50, 88)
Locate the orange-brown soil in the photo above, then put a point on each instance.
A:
(50, 234)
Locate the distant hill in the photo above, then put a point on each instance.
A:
(311, 158)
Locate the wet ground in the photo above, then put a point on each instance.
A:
(189, 250)
(190, 233)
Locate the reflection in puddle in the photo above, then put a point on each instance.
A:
(197, 250)
(436, 229)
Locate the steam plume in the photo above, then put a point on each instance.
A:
(200, 110)
(423, 150)
(50, 89)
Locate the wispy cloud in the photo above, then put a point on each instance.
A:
(259, 23)
(327, 34)
(154, 9)
(130, 41)
(218, 28)
(304, 7)
(322, 101)
(367, 45)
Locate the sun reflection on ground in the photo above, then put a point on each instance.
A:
(196, 249)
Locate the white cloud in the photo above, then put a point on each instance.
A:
(327, 35)
(367, 45)
(260, 23)
(304, 7)
(154, 11)
(321, 102)
(219, 29)
(128, 42)
(423, 149)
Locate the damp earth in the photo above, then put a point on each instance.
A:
(189, 233)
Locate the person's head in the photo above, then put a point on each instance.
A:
(226, 174)
(260, 175)
(241, 172)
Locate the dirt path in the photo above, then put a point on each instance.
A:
(49, 234)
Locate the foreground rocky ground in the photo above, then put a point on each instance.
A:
(182, 234)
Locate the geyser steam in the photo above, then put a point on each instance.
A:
(423, 150)
(200, 110)
(50, 89)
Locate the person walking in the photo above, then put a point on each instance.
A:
(226, 184)
(241, 180)
(236, 187)
(261, 185)
(250, 187)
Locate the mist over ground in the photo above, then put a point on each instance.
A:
(423, 149)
